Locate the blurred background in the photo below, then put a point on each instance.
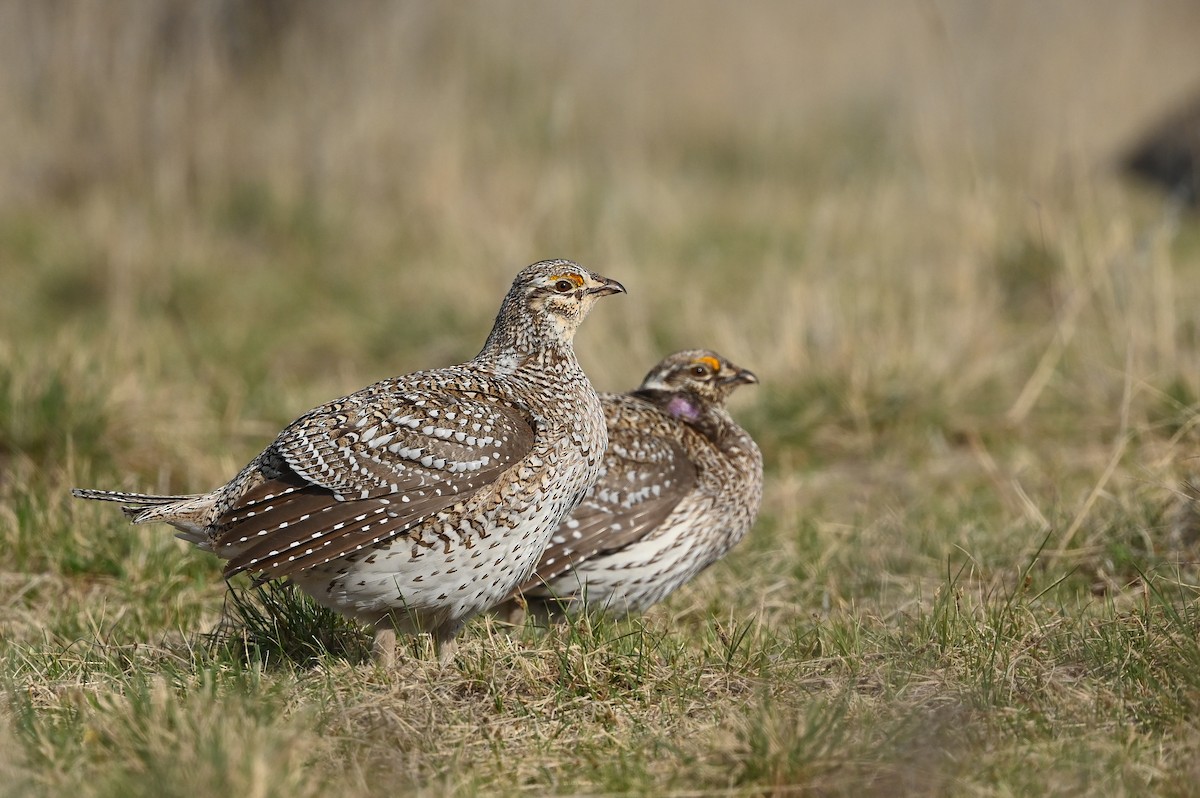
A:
(908, 218)
(977, 333)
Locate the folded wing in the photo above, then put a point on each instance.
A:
(644, 477)
(351, 475)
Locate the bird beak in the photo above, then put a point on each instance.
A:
(605, 287)
(740, 377)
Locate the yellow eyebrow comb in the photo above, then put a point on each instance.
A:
(575, 278)
(711, 362)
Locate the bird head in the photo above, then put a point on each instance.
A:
(544, 307)
(687, 381)
(563, 291)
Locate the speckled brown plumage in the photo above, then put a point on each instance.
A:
(419, 501)
(680, 485)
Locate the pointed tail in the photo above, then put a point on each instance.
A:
(134, 503)
(142, 499)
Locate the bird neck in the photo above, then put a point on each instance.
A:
(520, 339)
(709, 420)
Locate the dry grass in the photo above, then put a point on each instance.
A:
(975, 570)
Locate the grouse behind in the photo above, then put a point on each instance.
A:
(680, 486)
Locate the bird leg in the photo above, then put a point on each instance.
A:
(383, 647)
(445, 642)
(514, 610)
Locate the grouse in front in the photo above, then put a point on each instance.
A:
(419, 501)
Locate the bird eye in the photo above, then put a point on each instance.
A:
(699, 371)
(564, 286)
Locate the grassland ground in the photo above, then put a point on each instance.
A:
(976, 567)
